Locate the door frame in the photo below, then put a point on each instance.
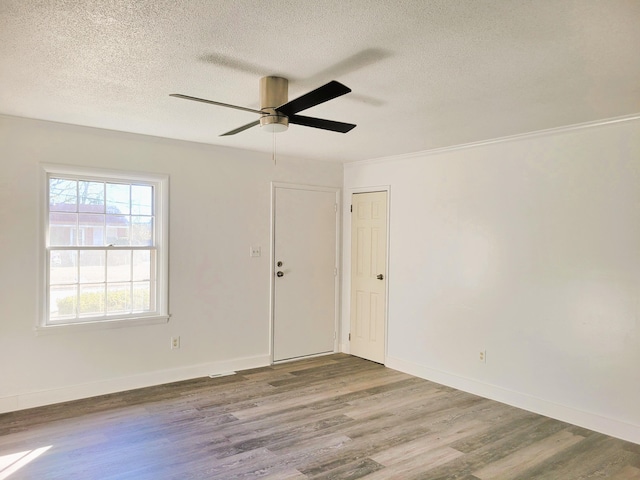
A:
(345, 345)
(272, 260)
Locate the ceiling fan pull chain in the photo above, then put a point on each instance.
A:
(273, 135)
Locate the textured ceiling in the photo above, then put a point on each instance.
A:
(424, 74)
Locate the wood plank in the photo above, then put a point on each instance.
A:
(409, 451)
(597, 456)
(417, 465)
(335, 416)
(523, 459)
(627, 473)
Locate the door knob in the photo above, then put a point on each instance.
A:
(280, 274)
(380, 276)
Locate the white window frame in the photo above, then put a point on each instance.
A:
(161, 240)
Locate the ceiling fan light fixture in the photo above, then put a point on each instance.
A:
(274, 123)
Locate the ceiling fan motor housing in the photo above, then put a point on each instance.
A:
(274, 92)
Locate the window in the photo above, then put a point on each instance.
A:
(105, 246)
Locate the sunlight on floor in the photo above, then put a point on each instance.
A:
(13, 462)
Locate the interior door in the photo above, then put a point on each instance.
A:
(368, 275)
(305, 272)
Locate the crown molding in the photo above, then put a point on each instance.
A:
(509, 138)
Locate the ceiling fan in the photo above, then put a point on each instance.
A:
(277, 112)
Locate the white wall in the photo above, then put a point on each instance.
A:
(219, 296)
(530, 249)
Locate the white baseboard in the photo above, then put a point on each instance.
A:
(591, 421)
(103, 387)
(8, 404)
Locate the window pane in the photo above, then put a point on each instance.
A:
(91, 197)
(117, 230)
(63, 267)
(102, 245)
(142, 265)
(141, 230)
(141, 292)
(63, 195)
(118, 198)
(92, 266)
(141, 200)
(118, 297)
(91, 229)
(63, 302)
(62, 229)
(91, 300)
(119, 266)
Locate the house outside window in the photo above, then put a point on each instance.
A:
(105, 247)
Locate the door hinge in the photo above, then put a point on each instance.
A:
(335, 207)
(335, 271)
(351, 209)
(349, 336)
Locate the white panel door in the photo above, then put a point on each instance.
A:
(368, 275)
(305, 281)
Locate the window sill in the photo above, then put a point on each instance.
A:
(101, 325)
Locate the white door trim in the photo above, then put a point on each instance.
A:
(346, 265)
(272, 270)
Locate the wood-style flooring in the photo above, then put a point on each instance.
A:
(333, 417)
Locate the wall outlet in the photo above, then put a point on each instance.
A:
(255, 251)
(483, 356)
(175, 343)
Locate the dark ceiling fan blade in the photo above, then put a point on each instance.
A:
(321, 94)
(220, 104)
(241, 129)
(321, 123)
